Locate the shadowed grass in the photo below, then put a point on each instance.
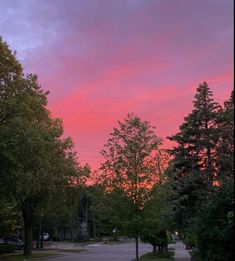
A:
(21, 257)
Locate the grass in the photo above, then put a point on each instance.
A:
(156, 257)
(21, 257)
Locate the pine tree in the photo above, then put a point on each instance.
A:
(193, 166)
(198, 137)
(225, 147)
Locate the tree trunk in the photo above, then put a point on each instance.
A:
(165, 250)
(137, 246)
(154, 249)
(41, 238)
(94, 229)
(28, 229)
(159, 249)
(38, 235)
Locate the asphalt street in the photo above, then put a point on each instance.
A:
(100, 252)
(117, 252)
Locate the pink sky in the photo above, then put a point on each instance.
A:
(102, 59)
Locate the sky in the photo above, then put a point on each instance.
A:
(103, 59)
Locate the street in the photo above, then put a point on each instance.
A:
(100, 252)
(116, 252)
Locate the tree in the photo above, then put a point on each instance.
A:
(159, 217)
(198, 137)
(10, 78)
(225, 146)
(215, 225)
(100, 215)
(194, 162)
(214, 228)
(62, 209)
(202, 169)
(129, 170)
(35, 160)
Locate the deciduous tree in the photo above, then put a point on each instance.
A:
(35, 159)
(129, 169)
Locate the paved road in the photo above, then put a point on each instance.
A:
(119, 252)
(180, 253)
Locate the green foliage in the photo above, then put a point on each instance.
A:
(10, 219)
(197, 138)
(225, 146)
(159, 217)
(202, 170)
(36, 162)
(130, 170)
(195, 163)
(67, 205)
(6, 248)
(190, 239)
(102, 213)
(215, 226)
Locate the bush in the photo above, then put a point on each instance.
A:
(190, 239)
(7, 248)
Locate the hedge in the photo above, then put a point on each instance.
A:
(7, 248)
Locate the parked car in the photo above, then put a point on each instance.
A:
(19, 244)
(46, 237)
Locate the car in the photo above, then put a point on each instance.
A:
(19, 244)
(46, 237)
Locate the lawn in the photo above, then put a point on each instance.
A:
(21, 257)
(152, 257)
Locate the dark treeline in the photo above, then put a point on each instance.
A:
(202, 169)
(141, 190)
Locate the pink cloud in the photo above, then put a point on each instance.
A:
(103, 59)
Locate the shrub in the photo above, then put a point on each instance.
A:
(190, 239)
(7, 248)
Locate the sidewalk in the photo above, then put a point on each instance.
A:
(180, 253)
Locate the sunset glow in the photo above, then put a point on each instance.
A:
(102, 59)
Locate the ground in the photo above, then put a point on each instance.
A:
(180, 253)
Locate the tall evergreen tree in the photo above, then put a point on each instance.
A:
(225, 146)
(195, 155)
(198, 137)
